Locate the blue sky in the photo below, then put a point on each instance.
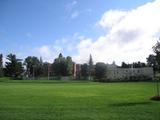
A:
(47, 27)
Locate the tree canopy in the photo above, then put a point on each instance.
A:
(14, 67)
(34, 66)
(100, 70)
(63, 66)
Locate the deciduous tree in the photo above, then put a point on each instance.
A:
(33, 66)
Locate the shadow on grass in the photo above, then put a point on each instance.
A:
(125, 104)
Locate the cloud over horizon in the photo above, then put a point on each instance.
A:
(130, 35)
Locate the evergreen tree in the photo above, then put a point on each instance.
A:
(14, 67)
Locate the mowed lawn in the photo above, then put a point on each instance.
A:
(53, 100)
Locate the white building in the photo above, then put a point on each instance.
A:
(116, 73)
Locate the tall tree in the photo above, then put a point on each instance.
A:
(69, 65)
(156, 50)
(63, 66)
(91, 67)
(14, 67)
(59, 66)
(47, 69)
(33, 66)
(84, 71)
(151, 61)
(100, 71)
(1, 65)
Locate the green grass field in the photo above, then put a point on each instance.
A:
(60, 100)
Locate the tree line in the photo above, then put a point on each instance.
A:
(33, 67)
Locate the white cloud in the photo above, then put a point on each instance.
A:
(111, 18)
(130, 37)
(64, 45)
(49, 52)
(45, 51)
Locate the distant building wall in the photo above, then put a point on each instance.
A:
(77, 71)
(129, 73)
(116, 73)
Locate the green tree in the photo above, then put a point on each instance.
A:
(156, 50)
(91, 67)
(33, 66)
(69, 65)
(1, 65)
(14, 67)
(151, 61)
(84, 71)
(47, 70)
(100, 71)
(124, 65)
(59, 66)
(139, 64)
(63, 66)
